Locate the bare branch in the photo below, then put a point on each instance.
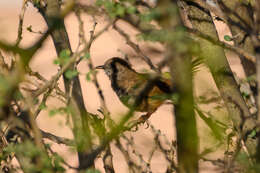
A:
(57, 139)
(135, 47)
(20, 28)
(235, 49)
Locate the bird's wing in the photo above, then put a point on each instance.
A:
(164, 86)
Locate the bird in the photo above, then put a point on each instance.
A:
(129, 84)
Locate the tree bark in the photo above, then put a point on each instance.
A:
(240, 38)
(81, 131)
(216, 60)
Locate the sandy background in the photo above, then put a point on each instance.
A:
(103, 48)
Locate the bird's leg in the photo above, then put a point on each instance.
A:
(144, 117)
(139, 121)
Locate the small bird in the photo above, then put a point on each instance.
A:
(129, 84)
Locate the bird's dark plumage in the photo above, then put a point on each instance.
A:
(128, 84)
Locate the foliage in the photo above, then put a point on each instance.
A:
(225, 121)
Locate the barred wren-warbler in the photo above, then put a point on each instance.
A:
(129, 84)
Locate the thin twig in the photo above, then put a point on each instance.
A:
(130, 143)
(63, 161)
(94, 80)
(20, 27)
(130, 162)
(57, 139)
(135, 47)
(165, 152)
(107, 159)
(40, 77)
(56, 77)
(235, 49)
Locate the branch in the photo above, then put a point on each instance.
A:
(132, 165)
(57, 139)
(55, 78)
(135, 47)
(108, 161)
(217, 62)
(235, 49)
(20, 28)
(165, 152)
(27, 53)
(65, 67)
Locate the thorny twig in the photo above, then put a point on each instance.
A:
(168, 154)
(231, 162)
(63, 161)
(20, 28)
(218, 162)
(227, 12)
(29, 28)
(107, 159)
(57, 139)
(55, 78)
(81, 34)
(131, 163)
(135, 47)
(233, 48)
(92, 71)
(43, 79)
(130, 143)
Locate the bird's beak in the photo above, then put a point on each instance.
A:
(99, 67)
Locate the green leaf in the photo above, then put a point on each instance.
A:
(57, 62)
(53, 112)
(63, 58)
(131, 10)
(65, 53)
(110, 8)
(88, 76)
(251, 78)
(87, 55)
(69, 74)
(57, 161)
(175, 98)
(42, 106)
(245, 94)
(252, 134)
(227, 38)
(151, 15)
(18, 95)
(60, 110)
(120, 10)
(166, 75)
(217, 130)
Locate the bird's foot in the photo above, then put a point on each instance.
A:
(133, 125)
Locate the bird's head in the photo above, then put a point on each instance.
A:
(115, 65)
